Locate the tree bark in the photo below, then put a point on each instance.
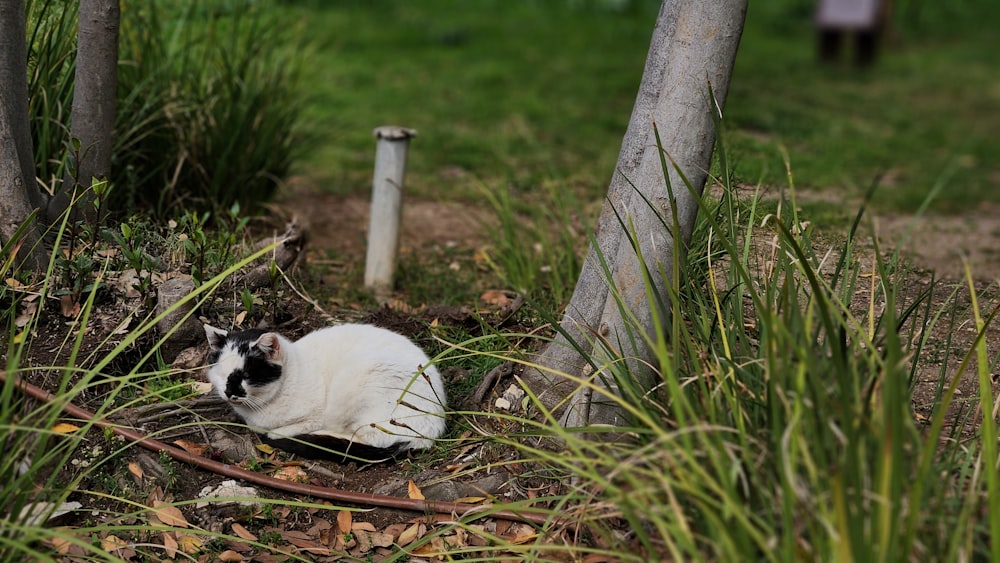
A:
(19, 194)
(693, 47)
(94, 99)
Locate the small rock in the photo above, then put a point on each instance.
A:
(444, 491)
(190, 358)
(231, 490)
(39, 513)
(232, 447)
(502, 404)
(488, 485)
(514, 394)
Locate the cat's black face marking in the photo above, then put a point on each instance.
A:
(234, 385)
(256, 370)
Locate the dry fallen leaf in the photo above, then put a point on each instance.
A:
(470, 500)
(523, 533)
(112, 542)
(299, 539)
(239, 318)
(459, 539)
(495, 297)
(135, 470)
(68, 306)
(60, 544)
(190, 447)
(398, 305)
(242, 532)
(170, 544)
(414, 491)
(265, 448)
(169, 515)
(344, 518)
(435, 547)
(394, 530)
(230, 556)
(28, 311)
(410, 534)
(189, 544)
(502, 526)
(239, 546)
(122, 327)
(363, 527)
(381, 540)
(319, 526)
(292, 474)
(155, 495)
(316, 550)
(64, 428)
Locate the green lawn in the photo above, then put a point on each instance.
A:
(500, 92)
(926, 110)
(518, 93)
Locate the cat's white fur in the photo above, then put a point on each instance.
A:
(357, 382)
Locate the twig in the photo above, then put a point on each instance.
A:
(174, 412)
(456, 510)
(291, 245)
(489, 380)
(156, 411)
(315, 304)
(507, 311)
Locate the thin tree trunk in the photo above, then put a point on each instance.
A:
(693, 46)
(94, 99)
(19, 194)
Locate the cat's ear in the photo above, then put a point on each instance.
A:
(216, 337)
(270, 345)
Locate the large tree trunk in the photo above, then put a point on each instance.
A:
(94, 96)
(18, 192)
(693, 46)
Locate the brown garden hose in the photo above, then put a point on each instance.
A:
(456, 510)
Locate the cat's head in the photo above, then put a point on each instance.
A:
(245, 367)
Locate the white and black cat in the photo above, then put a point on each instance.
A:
(349, 389)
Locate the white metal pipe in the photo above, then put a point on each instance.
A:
(391, 146)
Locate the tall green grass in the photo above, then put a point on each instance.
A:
(208, 104)
(535, 247)
(51, 37)
(781, 425)
(211, 101)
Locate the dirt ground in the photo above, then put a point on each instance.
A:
(470, 469)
